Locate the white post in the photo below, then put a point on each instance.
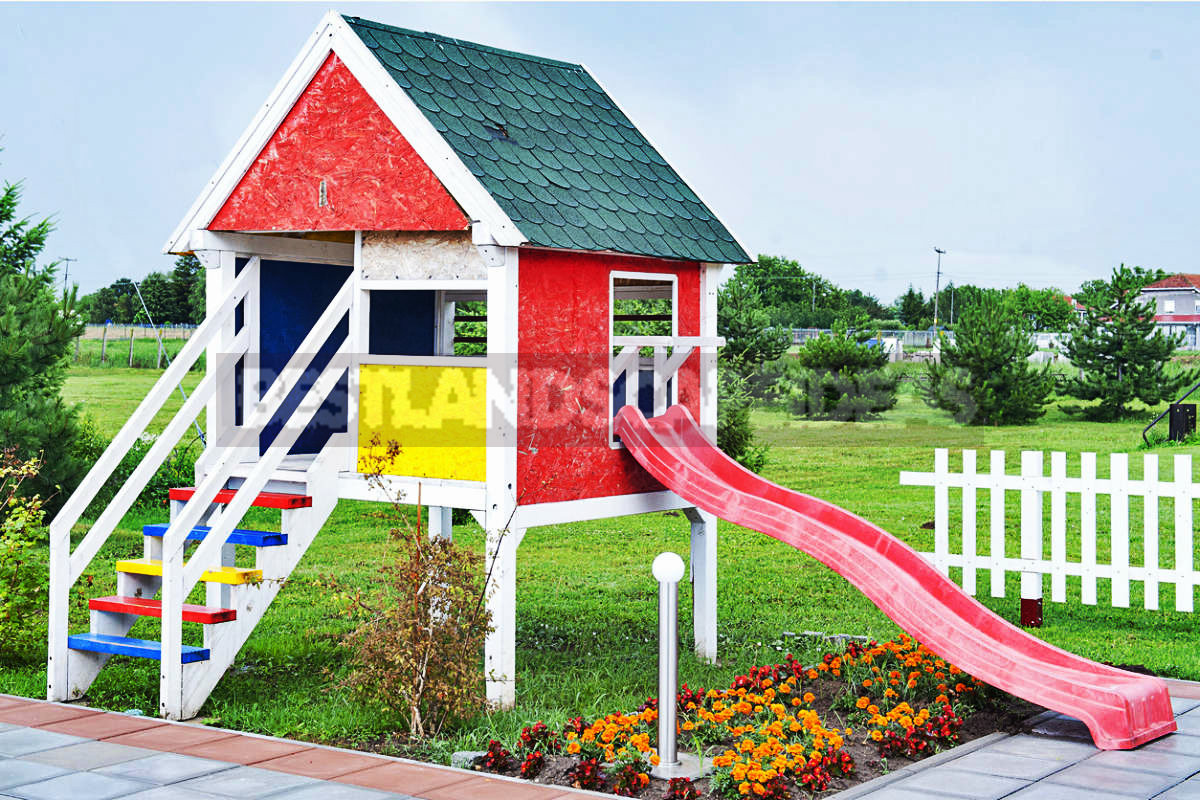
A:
(1119, 498)
(501, 498)
(1150, 532)
(941, 510)
(996, 521)
(709, 279)
(668, 571)
(441, 523)
(969, 547)
(360, 345)
(57, 687)
(704, 583)
(1031, 539)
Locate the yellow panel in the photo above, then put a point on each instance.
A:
(437, 416)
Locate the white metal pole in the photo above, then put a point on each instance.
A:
(668, 570)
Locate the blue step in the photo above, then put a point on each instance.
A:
(239, 535)
(124, 646)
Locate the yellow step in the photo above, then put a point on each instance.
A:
(231, 575)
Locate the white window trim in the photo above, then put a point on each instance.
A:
(660, 277)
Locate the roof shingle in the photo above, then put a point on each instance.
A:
(556, 153)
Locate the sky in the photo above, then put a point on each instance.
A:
(1036, 143)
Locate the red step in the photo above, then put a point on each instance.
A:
(146, 607)
(264, 500)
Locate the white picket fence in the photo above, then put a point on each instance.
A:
(1033, 484)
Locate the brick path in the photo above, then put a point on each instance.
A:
(52, 751)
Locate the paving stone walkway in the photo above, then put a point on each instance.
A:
(53, 751)
(1059, 764)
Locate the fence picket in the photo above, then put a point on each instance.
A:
(1184, 556)
(968, 522)
(1087, 528)
(1150, 530)
(997, 523)
(1032, 542)
(941, 510)
(1119, 498)
(1058, 526)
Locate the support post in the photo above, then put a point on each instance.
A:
(501, 494)
(500, 648)
(704, 583)
(441, 522)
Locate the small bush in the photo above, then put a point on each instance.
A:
(417, 649)
(735, 434)
(834, 376)
(22, 561)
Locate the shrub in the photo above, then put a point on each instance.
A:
(834, 376)
(417, 650)
(178, 469)
(735, 434)
(985, 377)
(22, 561)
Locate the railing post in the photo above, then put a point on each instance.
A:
(57, 686)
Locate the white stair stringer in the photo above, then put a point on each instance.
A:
(252, 600)
(82, 665)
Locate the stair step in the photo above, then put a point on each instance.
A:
(230, 575)
(239, 535)
(124, 646)
(147, 607)
(264, 500)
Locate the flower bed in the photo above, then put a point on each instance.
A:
(778, 731)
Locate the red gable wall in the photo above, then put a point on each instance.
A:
(374, 179)
(563, 390)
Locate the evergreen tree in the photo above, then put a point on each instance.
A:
(187, 281)
(750, 340)
(914, 309)
(36, 332)
(837, 376)
(1119, 350)
(985, 377)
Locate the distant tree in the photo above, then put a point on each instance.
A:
(856, 298)
(750, 339)
(187, 282)
(1119, 350)
(984, 377)
(36, 331)
(914, 310)
(161, 301)
(1046, 309)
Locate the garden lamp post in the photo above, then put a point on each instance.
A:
(668, 571)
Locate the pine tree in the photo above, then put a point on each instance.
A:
(1117, 347)
(750, 340)
(984, 377)
(36, 332)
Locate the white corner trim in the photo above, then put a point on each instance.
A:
(690, 185)
(334, 35)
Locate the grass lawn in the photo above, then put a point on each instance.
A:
(586, 601)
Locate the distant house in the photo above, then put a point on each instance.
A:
(1176, 302)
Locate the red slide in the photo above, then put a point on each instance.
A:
(1121, 710)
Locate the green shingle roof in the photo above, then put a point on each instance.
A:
(551, 147)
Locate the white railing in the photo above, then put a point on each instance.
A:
(670, 353)
(1084, 487)
(66, 566)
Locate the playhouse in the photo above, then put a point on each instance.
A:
(470, 252)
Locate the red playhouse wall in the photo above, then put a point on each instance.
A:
(563, 390)
(336, 133)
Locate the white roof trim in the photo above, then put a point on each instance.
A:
(749, 253)
(333, 34)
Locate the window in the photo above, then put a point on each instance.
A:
(642, 318)
(1168, 306)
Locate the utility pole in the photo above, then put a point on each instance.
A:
(67, 272)
(814, 299)
(937, 285)
(952, 304)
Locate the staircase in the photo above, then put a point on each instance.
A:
(236, 597)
